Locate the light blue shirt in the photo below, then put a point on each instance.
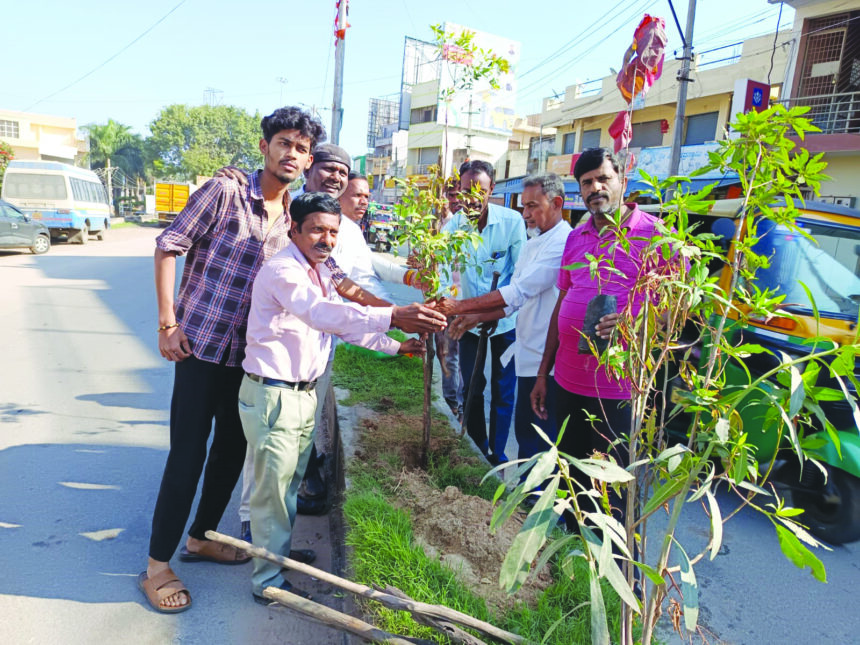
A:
(501, 242)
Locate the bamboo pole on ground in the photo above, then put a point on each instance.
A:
(336, 619)
(438, 612)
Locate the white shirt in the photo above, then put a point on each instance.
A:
(294, 311)
(356, 259)
(533, 292)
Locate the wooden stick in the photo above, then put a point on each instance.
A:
(450, 630)
(336, 619)
(392, 602)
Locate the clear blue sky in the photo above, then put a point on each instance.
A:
(241, 49)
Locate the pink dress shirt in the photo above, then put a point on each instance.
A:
(580, 373)
(294, 312)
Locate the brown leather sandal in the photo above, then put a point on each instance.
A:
(215, 552)
(163, 585)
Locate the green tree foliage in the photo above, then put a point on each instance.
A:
(190, 141)
(114, 145)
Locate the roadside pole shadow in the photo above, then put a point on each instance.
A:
(54, 493)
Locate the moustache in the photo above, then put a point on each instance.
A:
(604, 195)
(323, 248)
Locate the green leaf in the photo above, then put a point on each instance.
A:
(663, 494)
(689, 589)
(599, 626)
(716, 524)
(542, 469)
(798, 554)
(529, 540)
(798, 392)
(602, 470)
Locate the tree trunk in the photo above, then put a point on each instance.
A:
(428, 380)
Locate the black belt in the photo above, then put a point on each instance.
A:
(301, 386)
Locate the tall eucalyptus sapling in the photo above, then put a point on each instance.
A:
(681, 296)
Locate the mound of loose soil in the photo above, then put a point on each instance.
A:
(456, 528)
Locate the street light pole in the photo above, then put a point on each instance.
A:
(683, 80)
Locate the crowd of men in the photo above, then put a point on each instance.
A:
(271, 277)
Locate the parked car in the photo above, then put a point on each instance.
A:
(18, 230)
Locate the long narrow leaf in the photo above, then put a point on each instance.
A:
(599, 627)
(798, 554)
(529, 540)
(716, 524)
(690, 589)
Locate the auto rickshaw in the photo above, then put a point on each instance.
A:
(380, 230)
(829, 266)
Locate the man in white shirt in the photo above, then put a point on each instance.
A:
(531, 292)
(294, 310)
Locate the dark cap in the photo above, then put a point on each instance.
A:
(331, 152)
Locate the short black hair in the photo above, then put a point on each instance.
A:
(592, 159)
(478, 166)
(308, 203)
(355, 175)
(293, 118)
(550, 184)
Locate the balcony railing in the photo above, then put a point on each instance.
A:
(833, 113)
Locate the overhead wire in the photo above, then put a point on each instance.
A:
(109, 59)
(606, 22)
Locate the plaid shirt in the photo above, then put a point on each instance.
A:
(225, 232)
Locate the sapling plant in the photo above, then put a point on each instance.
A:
(685, 332)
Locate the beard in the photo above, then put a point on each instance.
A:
(606, 208)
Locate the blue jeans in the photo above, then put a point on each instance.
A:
(529, 441)
(502, 385)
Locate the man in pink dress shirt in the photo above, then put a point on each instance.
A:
(294, 311)
(583, 387)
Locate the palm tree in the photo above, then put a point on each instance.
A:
(106, 141)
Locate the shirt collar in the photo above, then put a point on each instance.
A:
(255, 191)
(631, 222)
(321, 270)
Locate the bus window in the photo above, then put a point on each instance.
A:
(27, 186)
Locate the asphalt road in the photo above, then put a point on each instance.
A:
(84, 396)
(83, 437)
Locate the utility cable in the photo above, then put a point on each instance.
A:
(98, 67)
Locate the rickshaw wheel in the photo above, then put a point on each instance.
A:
(833, 512)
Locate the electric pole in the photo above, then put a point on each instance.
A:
(339, 44)
(683, 80)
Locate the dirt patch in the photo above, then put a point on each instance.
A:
(397, 433)
(456, 528)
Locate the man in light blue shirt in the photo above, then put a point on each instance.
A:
(503, 235)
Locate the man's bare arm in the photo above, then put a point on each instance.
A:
(478, 305)
(172, 342)
(354, 293)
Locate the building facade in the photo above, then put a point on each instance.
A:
(42, 137)
(823, 73)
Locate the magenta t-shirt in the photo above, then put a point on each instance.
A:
(580, 373)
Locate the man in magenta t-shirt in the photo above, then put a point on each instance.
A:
(582, 385)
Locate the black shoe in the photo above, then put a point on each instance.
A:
(245, 532)
(306, 506)
(286, 585)
(305, 556)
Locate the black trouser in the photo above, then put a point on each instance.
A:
(581, 439)
(202, 391)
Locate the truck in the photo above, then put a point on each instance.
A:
(170, 198)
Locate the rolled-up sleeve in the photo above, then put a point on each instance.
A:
(194, 220)
(534, 280)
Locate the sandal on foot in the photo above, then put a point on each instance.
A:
(215, 552)
(286, 585)
(163, 585)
